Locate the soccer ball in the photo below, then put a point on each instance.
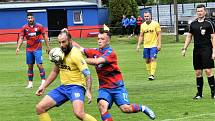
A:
(56, 55)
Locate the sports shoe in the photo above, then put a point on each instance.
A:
(151, 77)
(197, 97)
(148, 112)
(30, 85)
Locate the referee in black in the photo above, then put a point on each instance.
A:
(202, 29)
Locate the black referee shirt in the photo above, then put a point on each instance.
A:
(201, 32)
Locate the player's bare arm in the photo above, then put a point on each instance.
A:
(19, 44)
(52, 76)
(186, 44)
(89, 88)
(46, 42)
(95, 61)
(140, 40)
(159, 41)
(213, 44)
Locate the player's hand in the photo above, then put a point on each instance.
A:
(213, 55)
(159, 48)
(17, 51)
(40, 91)
(183, 52)
(48, 50)
(138, 48)
(89, 96)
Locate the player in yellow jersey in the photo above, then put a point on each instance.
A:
(150, 33)
(75, 81)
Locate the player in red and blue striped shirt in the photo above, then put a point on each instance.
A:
(34, 34)
(111, 85)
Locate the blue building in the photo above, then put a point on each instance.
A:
(81, 18)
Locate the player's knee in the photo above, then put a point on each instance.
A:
(102, 107)
(208, 72)
(79, 115)
(126, 108)
(40, 109)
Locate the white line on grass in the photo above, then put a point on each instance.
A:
(187, 117)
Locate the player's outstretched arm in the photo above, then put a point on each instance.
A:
(95, 61)
(52, 76)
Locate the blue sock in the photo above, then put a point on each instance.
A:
(42, 73)
(30, 74)
(136, 108)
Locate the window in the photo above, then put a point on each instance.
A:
(77, 17)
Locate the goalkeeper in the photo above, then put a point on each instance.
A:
(73, 84)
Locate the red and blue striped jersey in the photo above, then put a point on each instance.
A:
(33, 36)
(109, 73)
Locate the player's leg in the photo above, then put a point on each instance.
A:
(39, 61)
(197, 64)
(146, 56)
(30, 62)
(104, 103)
(54, 98)
(153, 62)
(121, 100)
(43, 106)
(210, 76)
(78, 108)
(76, 95)
(208, 64)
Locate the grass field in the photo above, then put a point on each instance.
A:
(170, 95)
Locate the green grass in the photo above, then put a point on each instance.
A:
(170, 95)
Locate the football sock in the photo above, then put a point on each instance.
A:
(44, 117)
(148, 68)
(42, 73)
(88, 117)
(153, 67)
(30, 74)
(199, 83)
(136, 108)
(106, 117)
(211, 84)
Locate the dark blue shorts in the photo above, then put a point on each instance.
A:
(150, 52)
(117, 95)
(64, 93)
(33, 56)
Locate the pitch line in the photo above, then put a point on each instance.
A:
(187, 117)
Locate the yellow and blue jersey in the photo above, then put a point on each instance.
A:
(72, 67)
(150, 33)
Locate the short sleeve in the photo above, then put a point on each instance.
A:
(157, 27)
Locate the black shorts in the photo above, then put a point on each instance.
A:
(202, 58)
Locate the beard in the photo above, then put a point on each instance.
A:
(67, 49)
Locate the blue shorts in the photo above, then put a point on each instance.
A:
(34, 55)
(64, 93)
(117, 95)
(150, 52)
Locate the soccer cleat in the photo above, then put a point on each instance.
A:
(30, 85)
(148, 112)
(197, 97)
(151, 77)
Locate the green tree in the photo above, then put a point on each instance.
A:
(118, 8)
